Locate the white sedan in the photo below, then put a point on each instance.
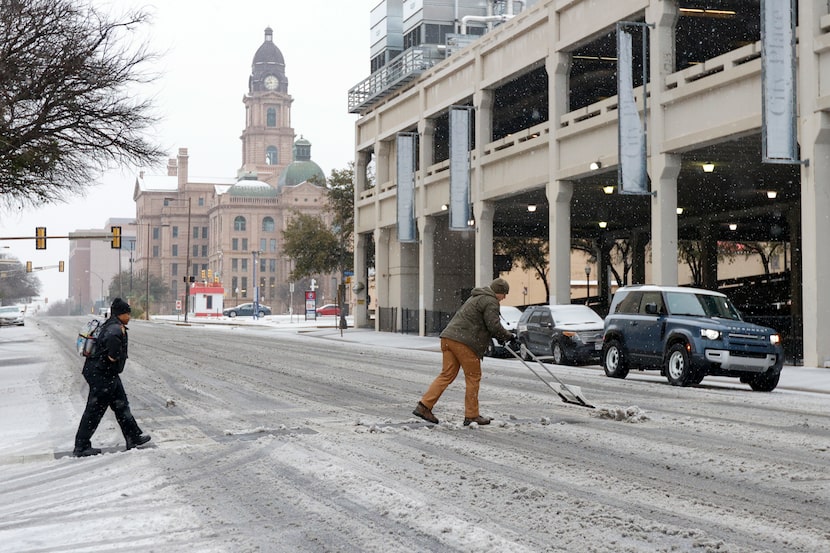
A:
(11, 315)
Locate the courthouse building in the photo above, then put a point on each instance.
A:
(230, 229)
(539, 80)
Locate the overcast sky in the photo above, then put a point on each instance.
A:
(208, 47)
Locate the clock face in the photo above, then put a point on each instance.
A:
(271, 82)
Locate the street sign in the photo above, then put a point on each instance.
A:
(178, 305)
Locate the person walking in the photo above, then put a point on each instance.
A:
(101, 371)
(463, 344)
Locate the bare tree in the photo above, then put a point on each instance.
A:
(67, 110)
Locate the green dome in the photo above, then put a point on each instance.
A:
(301, 171)
(250, 187)
(302, 168)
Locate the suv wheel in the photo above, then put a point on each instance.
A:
(613, 360)
(765, 382)
(678, 366)
(558, 353)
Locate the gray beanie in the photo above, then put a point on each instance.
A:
(500, 286)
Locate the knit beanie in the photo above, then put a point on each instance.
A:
(500, 286)
(119, 307)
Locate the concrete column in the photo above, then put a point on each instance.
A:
(361, 182)
(483, 100)
(426, 265)
(383, 163)
(361, 310)
(663, 168)
(559, 195)
(815, 196)
(382, 239)
(796, 277)
(484, 212)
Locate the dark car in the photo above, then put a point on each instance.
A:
(688, 333)
(328, 309)
(567, 334)
(246, 310)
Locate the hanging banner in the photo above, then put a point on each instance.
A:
(406, 186)
(631, 149)
(460, 143)
(778, 82)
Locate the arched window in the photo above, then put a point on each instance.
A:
(268, 224)
(271, 157)
(271, 117)
(239, 223)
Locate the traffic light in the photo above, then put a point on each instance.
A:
(116, 238)
(40, 238)
(60, 266)
(28, 266)
(203, 274)
(210, 274)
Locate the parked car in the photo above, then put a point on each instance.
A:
(509, 319)
(567, 334)
(246, 310)
(687, 334)
(11, 315)
(328, 309)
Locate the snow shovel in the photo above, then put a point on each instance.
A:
(568, 394)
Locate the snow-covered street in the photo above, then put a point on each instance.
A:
(278, 440)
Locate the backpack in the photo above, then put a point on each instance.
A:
(87, 342)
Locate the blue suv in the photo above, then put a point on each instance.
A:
(687, 334)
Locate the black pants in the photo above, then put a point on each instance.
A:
(105, 391)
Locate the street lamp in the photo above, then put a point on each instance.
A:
(587, 282)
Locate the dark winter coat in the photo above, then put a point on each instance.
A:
(112, 344)
(477, 322)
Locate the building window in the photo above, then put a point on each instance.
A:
(174, 287)
(271, 156)
(174, 269)
(273, 243)
(204, 233)
(208, 302)
(195, 251)
(195, 232)
(155, 251)
(262, 243)
(235, 285)
(244, 244)
(155, 233)
(271, 117)
(235, 264)
(244, 264)
(268, 224)
(239, 223)
(204, 251)
(244, 287)
(272, 265)
(175, 231)
(201, 202)
(235, 244)
(174, 251)
(262, 267)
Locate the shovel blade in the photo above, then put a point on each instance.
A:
(570, 394)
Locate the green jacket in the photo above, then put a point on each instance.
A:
(477, 322)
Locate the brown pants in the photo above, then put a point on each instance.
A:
(457, 356)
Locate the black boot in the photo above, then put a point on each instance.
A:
(88, 451)
(137, 441)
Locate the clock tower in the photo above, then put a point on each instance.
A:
(268, 138)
